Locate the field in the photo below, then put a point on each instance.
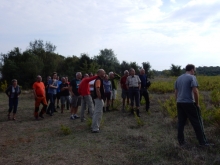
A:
(123, 140)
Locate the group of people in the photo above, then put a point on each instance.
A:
(94, 91)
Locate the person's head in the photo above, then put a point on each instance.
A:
(191, 69)
(101, 73)
(63, 79)
(106, 77)
(132, 72)
(126, 73)
(67, 79)
(14, 82)
(90, 74)
(86, 75)
(58, 78)
(78, 75)
(142, 71)
(48, 78)
(54, 75)
(111, 74)
(39, 78)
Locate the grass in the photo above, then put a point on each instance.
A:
(121, 141)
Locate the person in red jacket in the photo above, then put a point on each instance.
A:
(84, 91)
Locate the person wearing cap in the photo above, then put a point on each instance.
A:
(133, 83)
(40, 97)
(13, 92)
(125, 92)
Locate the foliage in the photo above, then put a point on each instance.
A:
(169, 107)
(162, 86)
(65, 130)
(3, 86)
(140, 123)
(215, 97)
(175, 70)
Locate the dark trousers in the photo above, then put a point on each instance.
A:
(51, 107)
(134, 94)
(13, 104)
(144, 93)
(191, 111)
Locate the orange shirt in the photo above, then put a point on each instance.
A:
(39, 88)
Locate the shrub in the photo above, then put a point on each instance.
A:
(65, 130)
(3, 86)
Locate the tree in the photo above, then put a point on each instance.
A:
(146, 66)
(175, 70)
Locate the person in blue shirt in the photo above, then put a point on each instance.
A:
(52, 91)
(58, 92)
(108, 89)
(143, 90)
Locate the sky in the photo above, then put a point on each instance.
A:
(161, 32)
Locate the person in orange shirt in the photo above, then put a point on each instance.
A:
(40, 97)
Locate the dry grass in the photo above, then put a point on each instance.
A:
(121, 141)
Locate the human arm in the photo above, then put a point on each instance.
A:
(116, 76)
(196, 95)
(97, 88)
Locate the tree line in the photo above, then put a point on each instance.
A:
(40, 59)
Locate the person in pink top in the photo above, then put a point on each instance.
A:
(84, 91)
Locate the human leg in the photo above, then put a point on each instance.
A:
(97, 116)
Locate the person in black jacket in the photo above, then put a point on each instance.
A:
(13, 92)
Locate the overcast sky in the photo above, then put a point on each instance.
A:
(162, 32)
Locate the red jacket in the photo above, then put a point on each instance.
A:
(84, 86)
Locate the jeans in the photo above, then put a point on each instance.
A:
(144, 93)
(134, 94)
(13, 104)
(97, 115)
(51, 107)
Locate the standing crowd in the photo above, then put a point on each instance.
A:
(98, 92)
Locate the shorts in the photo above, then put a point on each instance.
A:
(107, 96)
(113, 94)
(76, 101)
(64, 99)
(124, 94)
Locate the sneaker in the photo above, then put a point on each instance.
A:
(96, 131)
(72, 118)
(76, 117)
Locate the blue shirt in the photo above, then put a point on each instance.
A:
(58, 89)
(184, 85)
(143, 79)
(54, 83)
(107, 86)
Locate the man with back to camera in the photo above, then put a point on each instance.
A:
(187, 98)
(144, 86)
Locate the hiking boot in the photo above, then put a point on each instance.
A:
(138, 113)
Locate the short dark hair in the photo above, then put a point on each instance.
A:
(189, 67)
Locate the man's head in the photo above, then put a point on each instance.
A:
(111, 75)
(54, 75)
(101, 73)
(106, 77)
(90, 74)
(79, 75)
(191, 69)
(39, 78)
(142, 71)
(63, 79)
(48, 78)
(67, 79)
(14, 82)
(86, 75)
(132, 72)
(126, 73)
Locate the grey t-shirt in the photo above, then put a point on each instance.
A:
(184, 85)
